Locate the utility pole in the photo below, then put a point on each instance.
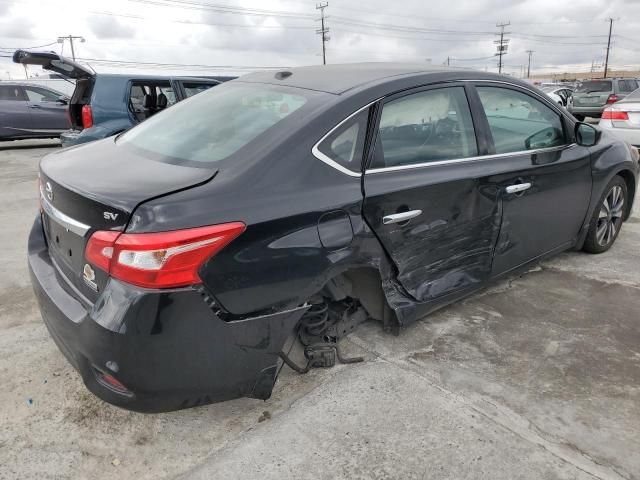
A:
(448, 61)
(323, 31)
(502, 44)
(71, 38)
(530, 52)
(606, 61)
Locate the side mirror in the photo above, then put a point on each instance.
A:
(62, 100)
(587, 135)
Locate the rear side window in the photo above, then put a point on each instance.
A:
(519, 122)
(627, 85)
(191, 89)
(216, 124)
(9, 92)
(346, 143)
(148, 98)
(595, 86)
(428, 126)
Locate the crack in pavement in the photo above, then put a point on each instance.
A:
(231, 443)
(513, 422)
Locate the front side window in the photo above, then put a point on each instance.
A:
(428, 126)
(39, 95)
(214, 125)
(345, 144)
(519, 122)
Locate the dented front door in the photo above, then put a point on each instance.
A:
(430, 196)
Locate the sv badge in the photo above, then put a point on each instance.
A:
(110, 215)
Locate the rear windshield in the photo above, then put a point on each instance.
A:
(594, 86)
(210, 127)
(633, 96)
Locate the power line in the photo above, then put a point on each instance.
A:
(71, 38)
(322, 31)
(222, 8)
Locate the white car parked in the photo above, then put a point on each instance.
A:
(558, 93)
(622, 119)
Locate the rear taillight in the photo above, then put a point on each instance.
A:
(87, 116)
(162, 259)
(613, 98)
(609, 114)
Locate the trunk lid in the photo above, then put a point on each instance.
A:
(98, 187)
(53, 62)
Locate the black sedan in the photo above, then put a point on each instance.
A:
(176, 264)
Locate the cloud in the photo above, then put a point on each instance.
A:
(110, 27)
(19, 27)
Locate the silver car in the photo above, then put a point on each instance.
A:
(622, 119)
(593, 96)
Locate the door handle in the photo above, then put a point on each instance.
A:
(518, 187)
(400, 217)
(34, 106)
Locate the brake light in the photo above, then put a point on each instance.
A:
(159, 260)
(87, 116)
(609, 114)
(613, 98)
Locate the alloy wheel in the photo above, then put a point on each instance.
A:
(610, 216)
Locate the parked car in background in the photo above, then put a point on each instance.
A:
(106, 104)
(31, 111)
(558, 93)
(622, 119)
(591, 97)
(176, 264)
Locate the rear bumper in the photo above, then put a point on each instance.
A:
(629, 135)
(69, 138)
(167, 347)
(595, 112)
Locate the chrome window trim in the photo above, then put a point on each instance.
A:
(538, 95)
(326, 159)
(478, 158)
(66, 221)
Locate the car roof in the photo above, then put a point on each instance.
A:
(13, 83)
(340, 78)
(156, 77)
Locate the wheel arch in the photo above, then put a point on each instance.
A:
(630, 180)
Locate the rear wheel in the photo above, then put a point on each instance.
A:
(606, 221)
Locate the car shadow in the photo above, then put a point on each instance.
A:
(24, 144)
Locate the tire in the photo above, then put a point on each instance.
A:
(580, 118)
(607, 218)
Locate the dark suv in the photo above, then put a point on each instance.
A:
(106, 104)
(592, 96)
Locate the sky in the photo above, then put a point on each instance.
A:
(236, 36)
